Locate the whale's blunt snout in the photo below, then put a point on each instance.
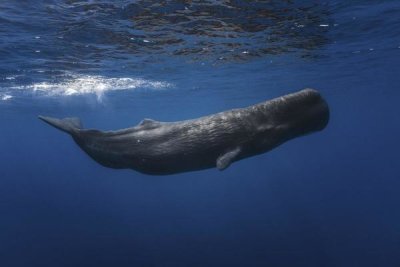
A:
(319, 109)
(305, 111)
(325, 113)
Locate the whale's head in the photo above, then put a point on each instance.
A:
(307, 111)
(301, 113)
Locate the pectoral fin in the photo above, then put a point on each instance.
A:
(226, 159)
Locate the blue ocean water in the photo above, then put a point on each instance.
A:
(327, 199)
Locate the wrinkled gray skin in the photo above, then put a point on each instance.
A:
(217, 140)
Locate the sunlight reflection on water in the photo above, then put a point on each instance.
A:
(75, 84)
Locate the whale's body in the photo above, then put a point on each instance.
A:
(217, 140)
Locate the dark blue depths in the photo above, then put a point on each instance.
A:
(327, 199)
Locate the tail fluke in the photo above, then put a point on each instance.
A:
(68, 125)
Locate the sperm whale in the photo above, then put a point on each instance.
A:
(217, 140)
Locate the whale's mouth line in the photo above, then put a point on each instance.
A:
(78, 84)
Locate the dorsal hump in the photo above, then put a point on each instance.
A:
(148, 123)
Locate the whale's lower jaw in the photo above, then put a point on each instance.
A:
(217, 140)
